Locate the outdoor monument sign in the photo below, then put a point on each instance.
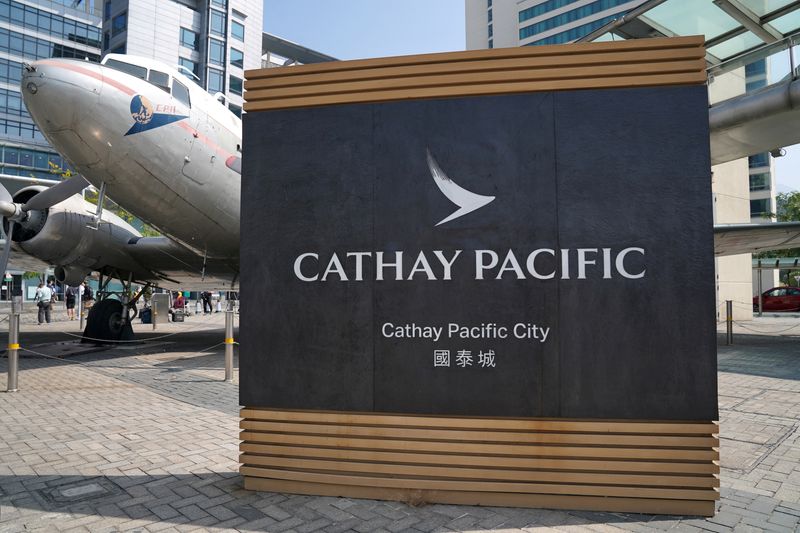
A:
(483, 277)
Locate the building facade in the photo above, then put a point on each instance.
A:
(213, 41)
(508, 23)
(31, 30)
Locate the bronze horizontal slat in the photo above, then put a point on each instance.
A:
(449, 459)
(484, 474)
(477, 90)
(484, 486)
(605, 58)
(455, 497)
(455, 81)
(487, 55)
(710, 454)
(482, 423)
(594, 439)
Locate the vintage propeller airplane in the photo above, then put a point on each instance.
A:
(170, 153)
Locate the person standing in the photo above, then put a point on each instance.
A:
(88, 296)
(43, 298)
(71, 295)
(206, 296)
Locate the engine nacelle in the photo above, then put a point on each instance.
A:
(64, 235)
(71, 275)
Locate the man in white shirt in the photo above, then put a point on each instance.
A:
(44, 297)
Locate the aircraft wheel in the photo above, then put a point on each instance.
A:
(105, 323)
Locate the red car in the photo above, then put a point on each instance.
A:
(779, 299)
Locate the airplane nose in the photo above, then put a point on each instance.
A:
(59, 92)
(63, 97)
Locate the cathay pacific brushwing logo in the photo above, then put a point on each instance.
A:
(466, 201)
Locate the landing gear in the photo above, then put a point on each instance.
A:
(110, 318)
(108, 321)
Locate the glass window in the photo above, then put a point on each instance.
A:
(159, 79)
(11, 155)
(217, 23)
(216, 53)
(215, 81)
(189, 65)
(220, 3)
(43, 21)
(107, 10)
(759, 208)
(40, 160)
(17, 13)
(760, 182)
(237, 30)
(758, 160)
(133, 70)
(25, 157)
(119, 23)
(55, 161)
(106, 39)
(180, 92)
(235, 84)
(237, 58)
(236, 110)
(190, 39)
(490, 15)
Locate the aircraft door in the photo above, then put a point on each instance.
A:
(199, 163)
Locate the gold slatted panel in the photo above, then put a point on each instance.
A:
(635, 63)
(636, 466)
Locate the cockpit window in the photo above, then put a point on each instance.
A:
(159, 79)
(180, 92)
(133, 70)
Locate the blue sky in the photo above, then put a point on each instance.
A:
(353, 29)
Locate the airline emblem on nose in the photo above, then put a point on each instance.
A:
(466, 201)
(145, 118)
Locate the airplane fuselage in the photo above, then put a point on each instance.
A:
(168, 152)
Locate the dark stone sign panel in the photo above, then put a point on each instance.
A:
(583, 289)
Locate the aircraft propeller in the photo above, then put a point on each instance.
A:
(12, 212)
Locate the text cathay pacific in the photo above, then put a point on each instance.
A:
(541, 264)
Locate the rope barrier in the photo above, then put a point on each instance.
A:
(138, 341)
(765, 331)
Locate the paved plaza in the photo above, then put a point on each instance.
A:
(143, 437)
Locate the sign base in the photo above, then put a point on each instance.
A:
(659, 467)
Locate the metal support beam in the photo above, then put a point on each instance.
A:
(749, 20)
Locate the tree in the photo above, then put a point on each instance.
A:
(788, 206)
(145, 229)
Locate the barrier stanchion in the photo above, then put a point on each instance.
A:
(13, 344)
(729, 320)
(229, 340)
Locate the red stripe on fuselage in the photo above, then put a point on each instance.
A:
(205, 140)
(130, 92)
(92, 74)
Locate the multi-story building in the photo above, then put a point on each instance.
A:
(213, 41)
(31, 30)
(508, 23)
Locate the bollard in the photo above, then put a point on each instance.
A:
(13, 344)
(229, 341)
(153, 311)
(729, 321)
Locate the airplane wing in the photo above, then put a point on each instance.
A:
(732, 239)
(175, 266)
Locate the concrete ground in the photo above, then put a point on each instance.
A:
(143, 437)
